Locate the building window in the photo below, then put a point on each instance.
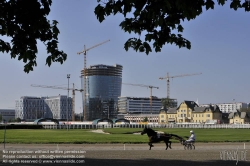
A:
(208, 115)
(162, 116)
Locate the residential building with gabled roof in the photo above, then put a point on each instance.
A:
(207, 114)
(184, 111)
(163, 115)
(190, 112)
(167, 115)
(239, 117)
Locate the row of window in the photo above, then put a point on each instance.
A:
(184, 115)
(144, 101)
(182, 110)
(28, 106)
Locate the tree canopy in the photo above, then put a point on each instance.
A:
(145, 119)
(25, 22)
(159, 21)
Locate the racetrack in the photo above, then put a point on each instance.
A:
(138, 154)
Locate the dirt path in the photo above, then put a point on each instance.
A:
(138, 154)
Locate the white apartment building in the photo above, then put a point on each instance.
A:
(139, 105)
(30, 108)
(228, 107)
(231, 107)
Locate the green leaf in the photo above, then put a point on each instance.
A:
(221, 2)
(4, 46)
(246, 6)
(147, 47)
(209, 4)
(180, 28)
(48, 60)
(149, 37)
(235, 4)
(100, 13)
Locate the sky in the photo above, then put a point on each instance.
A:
(220, 50)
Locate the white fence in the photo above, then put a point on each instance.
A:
(205, 126)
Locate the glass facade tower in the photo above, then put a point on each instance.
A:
(103, 87)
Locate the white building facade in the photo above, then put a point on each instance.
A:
(139, 105)
(229, 107)
(30, 108)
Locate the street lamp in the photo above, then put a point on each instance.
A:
(80, 114)
(4, 134)
(234, 105)
(108, 111)
(234, 110)
(68, 76)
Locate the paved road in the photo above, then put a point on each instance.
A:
(134, 154)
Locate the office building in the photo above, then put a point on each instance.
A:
(139, 105)
(29, 108)
(103, 87)
(7, 114)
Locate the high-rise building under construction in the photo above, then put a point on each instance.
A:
(103, 87)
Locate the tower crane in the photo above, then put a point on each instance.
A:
(85, 66)
(147, 86)
(64, 88)
(168, 80)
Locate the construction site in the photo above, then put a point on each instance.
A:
(101, 87)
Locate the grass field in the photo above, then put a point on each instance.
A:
(117, 135)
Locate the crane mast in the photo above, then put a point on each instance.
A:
(147, 86)
(73, 103)
(168, 80)
(84, 77)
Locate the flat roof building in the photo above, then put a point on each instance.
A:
(30, 108)
(139, 105)
(103, 87)
(228, 107)
(7, 114)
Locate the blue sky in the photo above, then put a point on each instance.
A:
(220, 41)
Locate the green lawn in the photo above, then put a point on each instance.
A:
(118, 135)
